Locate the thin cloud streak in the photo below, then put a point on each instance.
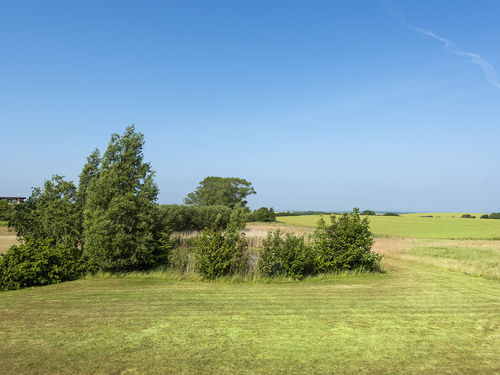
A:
(488, 69)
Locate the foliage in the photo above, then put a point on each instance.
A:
(495, 215)
(50, 212)
(345, 244)
(180, 218)
(39, 262)
(5, 210)
(468, 216)
(121, 221)
(225, 191)
(368, 212)
(219, 253)
(485, 216)
(391, 214)
(286, 255)
(181, 258)
(262, 214)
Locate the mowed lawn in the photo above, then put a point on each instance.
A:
(415, 319)
(440, 225)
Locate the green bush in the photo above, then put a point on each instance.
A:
(495, 215)
(180, 218)
(5, 210)
(391, 214)
(219, 253)
(39, 262)
(263, 214)
(345, 244)
(485, 216)
(286, 255)
(468, 216)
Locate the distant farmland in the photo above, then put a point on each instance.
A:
(440, 225)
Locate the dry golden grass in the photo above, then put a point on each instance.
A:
(7, 239)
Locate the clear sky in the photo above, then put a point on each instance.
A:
(322, 105)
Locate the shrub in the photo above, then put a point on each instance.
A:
(219, 253)
(286, 255)
(485, 216)
(39, 262)
(495, 215)
(345, 244)
(5, 210)
(391, 214)
(468, 216)
(263, 214)
(368, 212)
(179, 218)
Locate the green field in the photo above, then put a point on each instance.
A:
(436, 310)
(441, 225)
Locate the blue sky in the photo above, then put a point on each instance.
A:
(322, 105)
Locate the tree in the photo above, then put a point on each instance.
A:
(121, 226)
(5, 210)
(226, 191)
(263, 214)
(50, 212)
(368, 212)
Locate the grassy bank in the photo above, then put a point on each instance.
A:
(445, 226)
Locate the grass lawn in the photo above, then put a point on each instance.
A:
(441, 225)
(415, 319)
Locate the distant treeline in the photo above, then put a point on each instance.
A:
(493, 215)
(183, 218)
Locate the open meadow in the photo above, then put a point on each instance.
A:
(422, 225)
(436, 310)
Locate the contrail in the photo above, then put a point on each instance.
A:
(488, 69)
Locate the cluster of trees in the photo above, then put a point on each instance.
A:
(467, 216)
(264, 214)
(110, 222)
(493, 215)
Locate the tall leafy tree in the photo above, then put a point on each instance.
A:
(50, 212)
(225, 191)
(121, 229)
